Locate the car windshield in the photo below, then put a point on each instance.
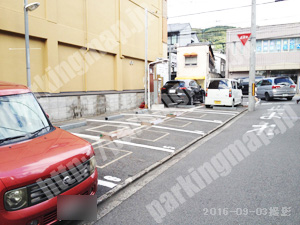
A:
(283, 80)
(21, 116)
(171, 84)
(218, 84)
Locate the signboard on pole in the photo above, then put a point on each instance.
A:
(244, 37)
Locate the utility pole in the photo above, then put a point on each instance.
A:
(251, 106)
(27, 46)
(170, 61)
(146, 56)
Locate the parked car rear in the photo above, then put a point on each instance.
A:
(225, 92)
(276, 87)
(38, 161)
(245, 83)
(186, 92)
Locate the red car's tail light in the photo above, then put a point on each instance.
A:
(183, 88)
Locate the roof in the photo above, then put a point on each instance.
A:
(177, 27)
(12, 89)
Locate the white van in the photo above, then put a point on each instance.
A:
(225, 92)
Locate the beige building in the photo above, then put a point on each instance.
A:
(196, 61)
(80, 47)
(277, 52)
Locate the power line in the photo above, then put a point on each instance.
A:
(219, 10)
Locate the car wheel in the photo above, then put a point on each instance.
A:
(267, 96)
(207, 106)
(289, 98)
(191, 101)
(202, 99)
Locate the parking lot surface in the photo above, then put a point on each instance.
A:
(131, 142)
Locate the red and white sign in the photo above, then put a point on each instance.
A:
(244, 37)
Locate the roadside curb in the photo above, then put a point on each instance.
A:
(157, 164)
(73, 125)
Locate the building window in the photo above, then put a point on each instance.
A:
(173, 39)
(278, 45)
(266, 46)
(285, 45)
(272, 47)
(298, 44)
(258, 46)
(191, 61)
(292, 44)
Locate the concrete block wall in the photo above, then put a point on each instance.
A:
(72, 107)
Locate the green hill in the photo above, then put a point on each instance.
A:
(215, 35)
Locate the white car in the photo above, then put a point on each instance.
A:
(225, 92)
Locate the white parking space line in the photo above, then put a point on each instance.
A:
(112, 149)
(181, 118)
(97, 138)
(143, 146)
(118, 122)
(142, 115)
(164, 134)
(199, 120)
(170, 122)
(106, 183)
(94, 129)
(180, 130)
(216, 112)
(98, 142)
(278, 103)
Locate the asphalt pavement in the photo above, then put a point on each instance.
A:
(146, 145)
(246, 173)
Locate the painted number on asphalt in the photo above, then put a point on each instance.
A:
(110, 178)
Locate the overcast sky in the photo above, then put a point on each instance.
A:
(267, 14)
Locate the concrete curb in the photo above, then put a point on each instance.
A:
(157, 164)
(73, 125)
(114, 117)
(142, 111)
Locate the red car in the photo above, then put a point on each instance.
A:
(38, 161)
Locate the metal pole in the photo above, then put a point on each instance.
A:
(146, 55)
(170, 61)
(27, 46)
(251, 106)
(149, 98)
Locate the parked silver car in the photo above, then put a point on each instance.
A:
(276, 87)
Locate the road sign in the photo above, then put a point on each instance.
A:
(244, 37)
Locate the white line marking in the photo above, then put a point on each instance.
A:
(143, 146)
(143, 115)
(180, 130)
(199, 120)
(111, 178)
(282, 103)
(94, 129)
(98, 142)
(118, 122)
(106, 183)
(214, 112)
(181, 118)
(97, 138)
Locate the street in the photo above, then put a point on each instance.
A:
(256, 186)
